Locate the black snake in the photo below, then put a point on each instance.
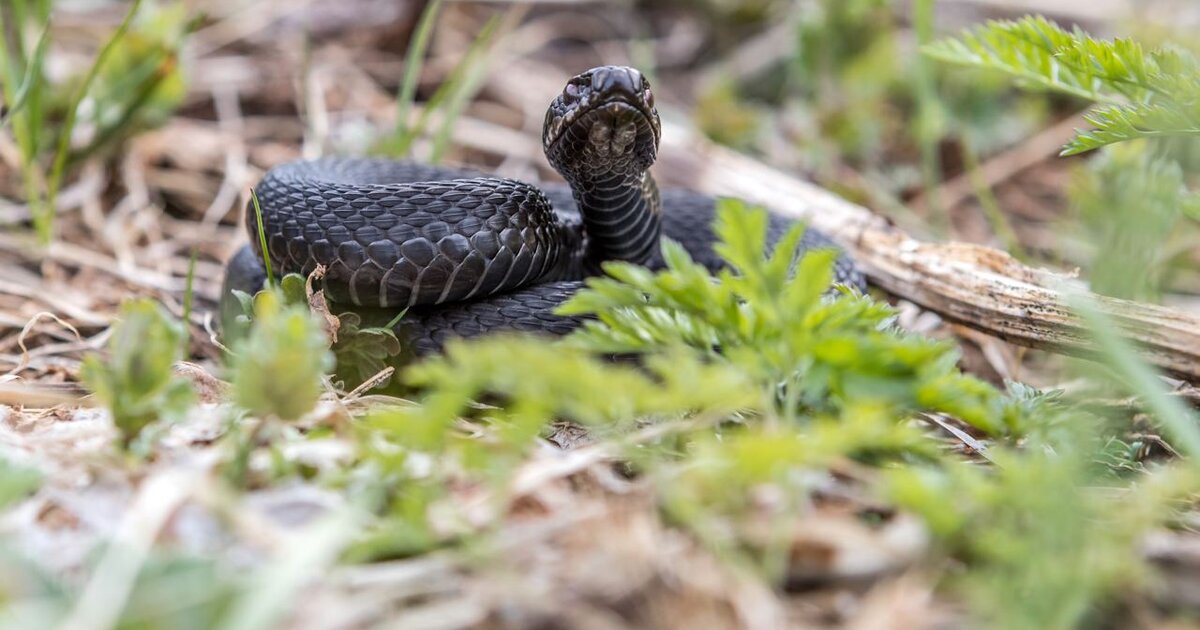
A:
(467, 253)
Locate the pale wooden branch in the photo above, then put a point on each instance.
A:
(974, 285)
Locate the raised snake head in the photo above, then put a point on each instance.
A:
(603, 123)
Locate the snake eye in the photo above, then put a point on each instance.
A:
(647, 93)
(571, 92)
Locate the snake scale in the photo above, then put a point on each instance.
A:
(468, 253)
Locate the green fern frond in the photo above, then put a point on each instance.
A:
(772, 316)
(1029, 49)
(1141, 94)
(1191, 205)
(1121, 123)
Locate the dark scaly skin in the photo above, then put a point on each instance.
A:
(395, 235)
(601, 134)
(471, 254)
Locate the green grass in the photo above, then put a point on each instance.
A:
(929, 115)
(450, 98)
(460, 88)
(262, 238)
(45, 226)
(20, 68)
(20, 97)
(987, 200)
(138, 62)
(1182, 424)
(413, 61)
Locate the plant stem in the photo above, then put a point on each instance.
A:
(928, 113)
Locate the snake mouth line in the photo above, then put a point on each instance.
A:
(616, 105)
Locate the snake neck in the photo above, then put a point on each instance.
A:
(622, 217)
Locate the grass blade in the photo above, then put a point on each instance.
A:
(33, 72)
(928, 127)
(413, 63)
(462, 85)
(154, 74)
(262, 238)
(1181, 423)
(445, 92)
(988, 202)
(44, 220)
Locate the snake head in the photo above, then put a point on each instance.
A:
(603, 123)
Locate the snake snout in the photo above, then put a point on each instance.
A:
(616, 94)
(614, 80)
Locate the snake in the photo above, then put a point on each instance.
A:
(464, 253)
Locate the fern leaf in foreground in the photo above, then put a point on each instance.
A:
(1115, 124)
(775, 317)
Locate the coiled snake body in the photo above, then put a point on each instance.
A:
(467, 253)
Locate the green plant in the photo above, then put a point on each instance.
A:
(1054, 523)
(1130, 202)
(1049, 542)
(1133, 375)
(770, 316)
(365, 344)
(16, 482)
(788, 376)
(415, 454)
(262, 238)
(22, 70)
(277, 369)
(845, 67)
(1132, 199)
(1140, 94)
(136, 381)
(134, 82)
(363, 351)
(449, 99)
(752, 383)
(417, 47)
